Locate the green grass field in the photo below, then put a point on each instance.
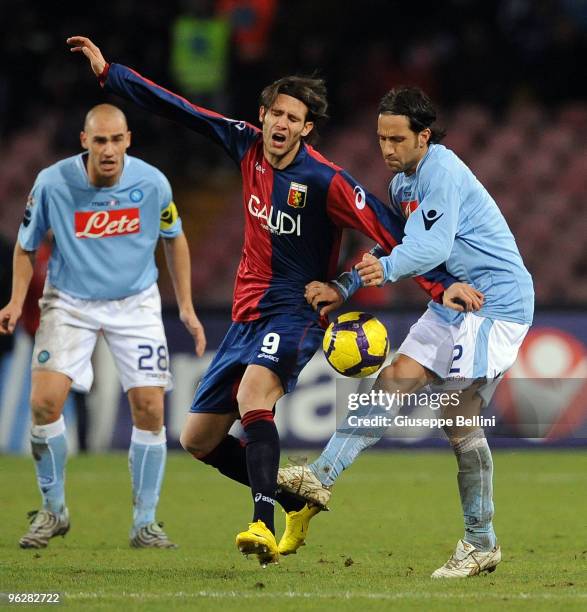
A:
(395, 517)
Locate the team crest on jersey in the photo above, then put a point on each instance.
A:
(297, 195)
(409, 207)
(136, 195)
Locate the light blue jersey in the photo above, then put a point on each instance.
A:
(452, 219)
(105, 237)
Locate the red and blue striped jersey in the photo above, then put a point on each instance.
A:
(293, 217)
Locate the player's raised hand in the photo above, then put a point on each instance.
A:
(463, 297)
(370, 270)
(196, 329)
(81, 44)
(9, 316)
(324, 296)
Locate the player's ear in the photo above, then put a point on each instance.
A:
(308, 127)
(83, 138)
(424, 137)
(128, 139)
(261, 114)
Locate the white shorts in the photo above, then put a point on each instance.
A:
(132, 328)
(476, 348)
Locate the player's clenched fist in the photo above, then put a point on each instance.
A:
(370, 270)
(81, 44)
(9, 315)
(317, 293)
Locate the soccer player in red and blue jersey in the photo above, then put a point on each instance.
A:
(296, 204)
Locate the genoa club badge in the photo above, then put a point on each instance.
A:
(297, 195)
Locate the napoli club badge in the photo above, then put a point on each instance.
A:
(297, 195)
(136, 195)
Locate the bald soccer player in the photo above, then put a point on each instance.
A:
(107, 211)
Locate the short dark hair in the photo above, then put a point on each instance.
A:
(309, 90)
(414, 104)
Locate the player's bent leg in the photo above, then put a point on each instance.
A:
(258, 392)
(146, 459)
(204, 431)
(313, 482)
(49, 447)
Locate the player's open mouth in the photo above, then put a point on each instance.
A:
(107, 165)
(278, 139)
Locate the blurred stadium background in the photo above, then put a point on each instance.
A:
(506, 75)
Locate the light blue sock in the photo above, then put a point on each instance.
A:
(49, 446)
(342, 449)
(146, 461)
(348, 442)
(475, 479)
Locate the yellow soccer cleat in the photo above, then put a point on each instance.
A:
(296, 529)
(258, 540)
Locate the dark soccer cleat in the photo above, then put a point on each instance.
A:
(44, 526)
(151, 536)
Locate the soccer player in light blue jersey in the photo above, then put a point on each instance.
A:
(107, 211)
(449, 218)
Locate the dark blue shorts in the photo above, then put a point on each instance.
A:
(282, 343)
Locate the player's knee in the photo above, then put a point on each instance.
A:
(398, 376)
(148, 413)
(45, 408)
(195, 445)
(248, 398)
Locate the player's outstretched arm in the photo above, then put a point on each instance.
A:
(81, 44)
(235, 137)
(22, 273)
(177, 256)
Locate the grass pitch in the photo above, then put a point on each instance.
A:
(395, 518)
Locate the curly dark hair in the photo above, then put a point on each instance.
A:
(414, 104)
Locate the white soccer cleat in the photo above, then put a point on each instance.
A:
(299, 480)
(468, 561)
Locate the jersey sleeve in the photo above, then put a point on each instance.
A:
(35, 223)
(429, 232)
(350, 205)
(235, 137)
(169, 222)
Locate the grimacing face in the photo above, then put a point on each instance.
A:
(106, 138)
(402, 149)
(284, 125)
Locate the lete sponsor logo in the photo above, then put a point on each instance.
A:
(107, 223)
